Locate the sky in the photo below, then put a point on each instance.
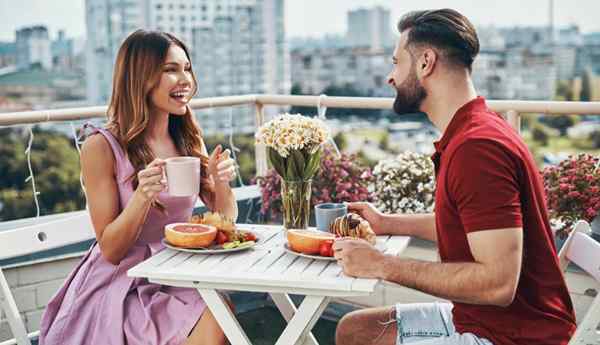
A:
(314, 18)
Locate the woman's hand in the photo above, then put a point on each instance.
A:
(151, 181)
(221, 166)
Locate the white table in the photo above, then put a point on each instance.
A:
(265, 268)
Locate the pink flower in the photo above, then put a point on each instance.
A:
(574, 194)
(591, 213)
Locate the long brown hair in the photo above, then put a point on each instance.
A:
(137, 72)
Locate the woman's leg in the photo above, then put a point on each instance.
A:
(207, 331)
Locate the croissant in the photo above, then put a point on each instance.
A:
(353, 225)
(222, 224)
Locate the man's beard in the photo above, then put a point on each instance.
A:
(409, 95)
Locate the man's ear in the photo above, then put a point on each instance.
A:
(427, 62)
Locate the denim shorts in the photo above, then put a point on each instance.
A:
(431, 324)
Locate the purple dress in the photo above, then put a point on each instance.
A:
(100, 304)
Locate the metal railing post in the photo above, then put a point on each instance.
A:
(260, 150)
(514, 119)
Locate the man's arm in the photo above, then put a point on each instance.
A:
(491, 280)
(417, 225)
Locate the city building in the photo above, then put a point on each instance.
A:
(33, 47)
(370, 27)
(41, 88)
(63, 54)
(589, 55)
(238, 46)
(8, 54)
(364, 69)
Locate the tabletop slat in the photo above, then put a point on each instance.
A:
(268, 260)
(317, 267)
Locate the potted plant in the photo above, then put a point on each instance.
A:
(573, 192)
(404, 184)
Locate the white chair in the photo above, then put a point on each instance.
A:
(584, 251)
(32, 239)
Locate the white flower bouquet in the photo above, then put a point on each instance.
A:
(404, 184)
(293, 144)
(294, 150)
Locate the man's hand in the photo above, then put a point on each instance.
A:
(358, 258)
(369, 213)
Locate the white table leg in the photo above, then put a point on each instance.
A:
(288, 309)
(225, 317)
(303, 320)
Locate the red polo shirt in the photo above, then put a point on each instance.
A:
(487, 179)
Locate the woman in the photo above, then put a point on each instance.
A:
(148, 121)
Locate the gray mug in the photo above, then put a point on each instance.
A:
(326, 213)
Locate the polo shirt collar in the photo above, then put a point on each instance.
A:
(458, 120)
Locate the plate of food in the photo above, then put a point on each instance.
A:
(315, 244)
(210, 233)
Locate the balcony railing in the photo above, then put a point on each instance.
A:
(511, 109)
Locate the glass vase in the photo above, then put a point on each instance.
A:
(295, 198)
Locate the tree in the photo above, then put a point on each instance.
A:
(595, 138)
(340, 141)
(540, 135)
(564, 91)
(384, 142)
(560, 122)
(55, 164)
(586, 86)
(245, 155)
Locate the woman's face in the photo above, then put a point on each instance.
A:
(176, 84)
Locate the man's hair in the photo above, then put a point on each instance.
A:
(451, 33)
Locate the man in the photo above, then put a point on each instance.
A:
(498, 261)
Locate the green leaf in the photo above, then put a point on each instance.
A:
(291, 169)
(277, 161)
(313, 164)
(299, 162)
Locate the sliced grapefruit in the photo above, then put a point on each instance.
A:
(307, 241)
(190, 235)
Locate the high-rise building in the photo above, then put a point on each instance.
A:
(63, 56)
(370, 27)
(33, 47)
(237, 46)
(8, 54)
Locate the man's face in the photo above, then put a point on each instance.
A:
(410, 93)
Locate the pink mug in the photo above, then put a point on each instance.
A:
(183, 175)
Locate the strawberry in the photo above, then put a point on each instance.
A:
(221, 237)
(326, 249)
(248, 236)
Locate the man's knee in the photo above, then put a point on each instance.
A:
(346, 328)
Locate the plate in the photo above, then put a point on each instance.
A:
(214, 249)
(379, 245)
